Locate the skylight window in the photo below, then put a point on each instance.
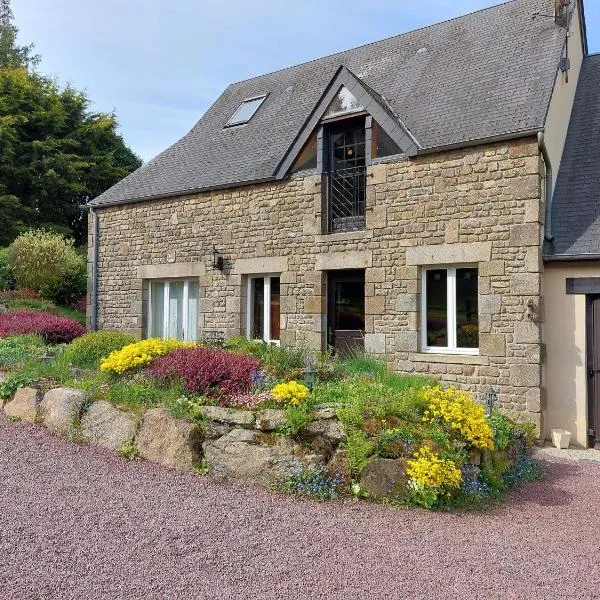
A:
(245, 111)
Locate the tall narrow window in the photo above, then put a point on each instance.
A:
(172, 310)
(263, 312)
(450, 319)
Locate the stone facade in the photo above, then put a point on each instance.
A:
(479, 206)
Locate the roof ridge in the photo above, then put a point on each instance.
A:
(385, 39)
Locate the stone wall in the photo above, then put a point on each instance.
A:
(478, 206)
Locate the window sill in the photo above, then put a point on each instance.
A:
(346, 235)
(449, 358)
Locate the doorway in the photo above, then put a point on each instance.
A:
(593, 369)
(346, 311)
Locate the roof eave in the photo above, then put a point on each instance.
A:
(570, 257)
(175, 194)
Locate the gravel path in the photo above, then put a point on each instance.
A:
(77, 522)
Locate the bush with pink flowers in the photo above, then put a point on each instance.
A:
(54, 329)
(213, 373)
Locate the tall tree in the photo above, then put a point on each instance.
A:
(55, 154)
(12, 55)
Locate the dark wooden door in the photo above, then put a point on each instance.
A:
(593, 365)
(346, 311)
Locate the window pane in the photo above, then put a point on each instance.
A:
(275, 312)
(156, 320)
(258, 308)
(307, 159)
(245, 111)
(192, 321)
(344, 102)
(381, 143)
(467, 320)
(437, 308)
(176, 309)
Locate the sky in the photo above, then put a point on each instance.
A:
(160, 64)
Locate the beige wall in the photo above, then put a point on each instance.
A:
(559, 112)
(564, 334)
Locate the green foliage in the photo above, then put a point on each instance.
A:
(55, 154)
(73, 283)
(359, 449)
(129, 451)
(86, 351)
(506, 430)
(19, 349)
(141, 392)
(12, 55)
(189, 408)
(36, 304)
(13, 418)
(7, 279)
(10, 384)
(296, 417)
(45, 262)
(278, 361)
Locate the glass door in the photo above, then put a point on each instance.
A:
(346, 311)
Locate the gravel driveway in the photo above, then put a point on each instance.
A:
(77, 522)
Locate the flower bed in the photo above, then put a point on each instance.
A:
(54, 329)
(361, 430)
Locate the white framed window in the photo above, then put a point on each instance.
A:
(449, 310)
(262, 308)
(173, 309)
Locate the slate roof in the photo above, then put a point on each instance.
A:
(489, 73)
(576, 200)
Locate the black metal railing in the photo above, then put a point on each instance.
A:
(346, 199)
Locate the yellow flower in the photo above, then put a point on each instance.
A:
(139, 354)
(428, 469)
(291, 392)
(460, 412)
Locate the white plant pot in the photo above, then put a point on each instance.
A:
(561, 438)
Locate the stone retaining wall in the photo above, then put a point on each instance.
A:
(229, 444)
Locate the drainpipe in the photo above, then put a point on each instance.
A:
(549, 191)
(94, 299)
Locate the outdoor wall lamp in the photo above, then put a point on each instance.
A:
(217, 260)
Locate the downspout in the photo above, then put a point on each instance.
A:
(549, 188)
(95, 242)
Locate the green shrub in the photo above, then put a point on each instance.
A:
(47, 263)
(73, 284)
(10, 384)
(86, 351)
(19, 349)
(7, 278)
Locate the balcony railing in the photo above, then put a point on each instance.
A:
(346, 200)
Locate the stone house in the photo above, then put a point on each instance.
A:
(391, 197)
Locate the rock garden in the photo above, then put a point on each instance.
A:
(287, 419)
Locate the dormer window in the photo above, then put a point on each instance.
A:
(245, 111)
